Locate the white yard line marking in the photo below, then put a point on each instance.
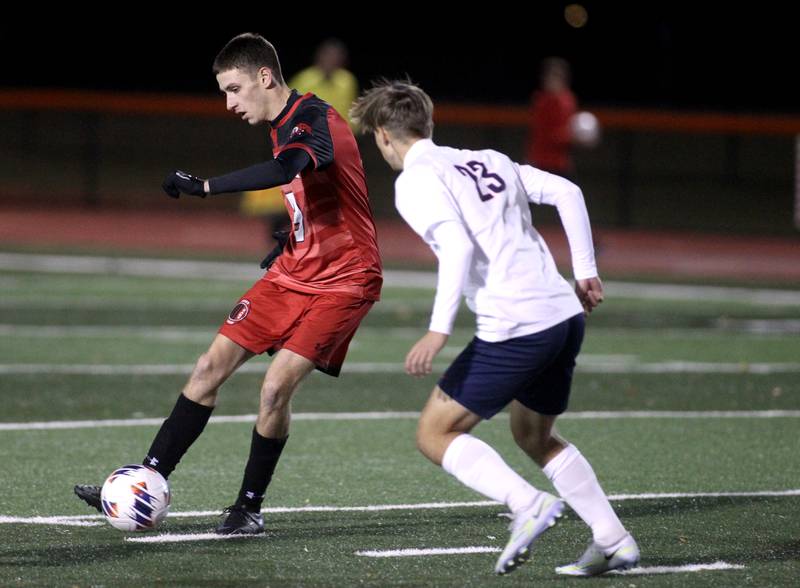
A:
(245, 418)
(429, 551)
(269, 510)
(667, 495)
(113, 332)
(639, 571)
(590, 367)
(61, 521)
(178, 538)
(717, 565)
(688, 367)
(173, 333)
(761, 326)
(389, 415)
(215, 270)
(71, 519)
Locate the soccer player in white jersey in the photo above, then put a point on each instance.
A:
(472, 208)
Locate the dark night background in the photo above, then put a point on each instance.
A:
(646, 54)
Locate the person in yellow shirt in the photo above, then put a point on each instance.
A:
(328, 78)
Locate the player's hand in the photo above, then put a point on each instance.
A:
(178, 181)
(281, 237)
(590, 293)
(419, 361)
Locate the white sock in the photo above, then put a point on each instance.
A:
(478, 466)
(577, 484)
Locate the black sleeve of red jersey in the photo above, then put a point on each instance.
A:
(276, 172)
(310, 131)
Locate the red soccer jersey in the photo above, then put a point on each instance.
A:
(333, 245)
(549, 135)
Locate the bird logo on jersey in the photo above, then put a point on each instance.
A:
(299, 130)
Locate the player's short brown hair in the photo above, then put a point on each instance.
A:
(248, 52)
(399, 106)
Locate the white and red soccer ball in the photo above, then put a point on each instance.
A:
(135, 498)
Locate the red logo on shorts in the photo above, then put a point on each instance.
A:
(239, 312)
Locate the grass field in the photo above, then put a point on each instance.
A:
(687, 405)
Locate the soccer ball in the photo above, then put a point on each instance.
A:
(585, 129)
(135, 498)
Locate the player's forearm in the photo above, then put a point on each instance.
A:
(455, 260)
(269, 174)
(575, 220)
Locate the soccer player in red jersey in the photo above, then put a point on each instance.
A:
(318, 287)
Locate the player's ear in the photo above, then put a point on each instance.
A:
(264, 76)
(383, 136)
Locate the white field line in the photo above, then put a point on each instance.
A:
(638, 571)
(429, 551)
(122, 303)
(176, 334)
(392, 415)
(412, 552)
(761, 326)
(244, 418)
(192, 334)
(60, 521)
(588, 367)
(191, 269)
(665, 495)
(712, 567)
(71, 519)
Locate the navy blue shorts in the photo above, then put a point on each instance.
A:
(535, 370)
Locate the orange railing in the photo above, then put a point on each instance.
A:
(446, 113)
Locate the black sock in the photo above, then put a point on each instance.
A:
(176, 435)
(264, 455)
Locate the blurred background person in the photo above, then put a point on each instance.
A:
(328, 77)
(553, 105)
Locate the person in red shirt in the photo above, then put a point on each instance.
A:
(552, 108)
(319, 285)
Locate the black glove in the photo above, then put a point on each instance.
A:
(281, 237)
(178, 181)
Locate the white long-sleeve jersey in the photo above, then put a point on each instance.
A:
(472, 208)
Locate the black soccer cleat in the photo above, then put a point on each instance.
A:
(240, 521)
(90, 495)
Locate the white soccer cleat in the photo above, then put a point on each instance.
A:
(525, 527)
(595, 561)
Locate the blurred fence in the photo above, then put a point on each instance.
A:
(653, 169)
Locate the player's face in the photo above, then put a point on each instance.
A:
(244, 94)
(383, 141)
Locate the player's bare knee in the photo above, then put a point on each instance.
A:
(275, 396)
(204, 368)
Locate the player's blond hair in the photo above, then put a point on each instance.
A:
(399, 106)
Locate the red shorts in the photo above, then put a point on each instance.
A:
(319, 327)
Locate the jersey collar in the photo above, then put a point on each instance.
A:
(288, 110)
(417, 150)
